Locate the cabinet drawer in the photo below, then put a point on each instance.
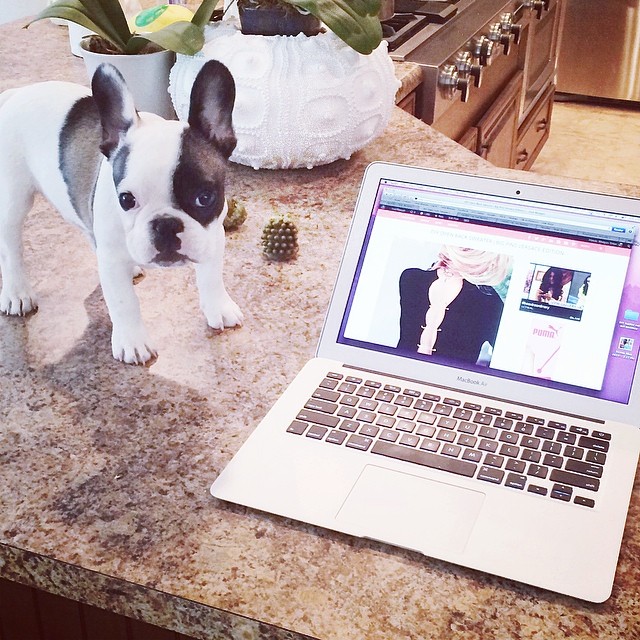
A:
(534, 131)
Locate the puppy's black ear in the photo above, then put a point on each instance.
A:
(115, 106)
(212, 97)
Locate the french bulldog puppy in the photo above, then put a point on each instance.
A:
(146, 191)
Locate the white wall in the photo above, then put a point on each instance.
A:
(14, 9)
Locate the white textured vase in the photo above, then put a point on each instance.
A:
(300, 101)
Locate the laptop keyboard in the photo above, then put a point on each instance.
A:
(555, 458)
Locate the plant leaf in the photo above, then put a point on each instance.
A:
(181, 37)
(74, 11)
(203, 14)
(108, 12)
(353, 21)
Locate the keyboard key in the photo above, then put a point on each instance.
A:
(297, 427)
(366, 392)
(385, 396)
(561, 492)
(534, 420)
(566, 437)
(488, 445)
(466, 440)
(517, 466)
(349, 425)
(389, 435)
(472, 406)
(385, 421)
(551, 447)
(513, 415)
(423, 405)
(374, 384)
(490, 474)
(509, 437)
(425, 458)
(531, 455)
(333, 374)
(493, 411)
(601, 435)
(451, 450)
(467, 427)
(403, 401)
(493, 460)
(509, 450)
(574, 480)
(523, 427)
(546, 433)
(530, 443)
(582, 431)
(551, 460)
(488, 432)
(321, 405)
(585, 502)
(346, 412)
(574, 452)
(442, 409)
(405, 425)
(463, 414)
(426, 418)
(515, 481)
(350, 401)
(472, 455)
(359, 442)
(446, 436)
(425, 430)
(447, 423)
(407, 414)
(540, 491)
(431, 397)
(430, 445)
(586, 468)
(596, 457)
(392, 388)
(346, 387)
(369, 430)
(325, 394)
(336, 437)
(483, 418)
(368, 405)
(409, 440)
(366, 416)
(452, 401)
(593, 443)
(503, 423)
(307, 415)
(316, 432)
(537, 471)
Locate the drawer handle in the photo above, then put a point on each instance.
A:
(541, 125)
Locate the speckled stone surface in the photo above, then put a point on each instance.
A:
(105, 468)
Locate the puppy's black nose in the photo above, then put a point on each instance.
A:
(165, 230)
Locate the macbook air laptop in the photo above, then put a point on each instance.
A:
(475, 395)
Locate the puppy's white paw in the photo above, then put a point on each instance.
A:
(133, 347)
(224, 314)
(18, 302)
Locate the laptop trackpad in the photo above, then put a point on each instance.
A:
(409, 511)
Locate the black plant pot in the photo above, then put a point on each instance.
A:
(277, 21)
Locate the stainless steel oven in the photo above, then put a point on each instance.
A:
(482, 71)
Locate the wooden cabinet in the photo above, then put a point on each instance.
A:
(497, 128)
(534, 131)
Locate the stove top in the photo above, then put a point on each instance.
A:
(411, 16)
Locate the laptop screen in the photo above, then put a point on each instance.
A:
(542, 294)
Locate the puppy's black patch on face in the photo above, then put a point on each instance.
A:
(119, 164)
(198, 181)
(79, 156)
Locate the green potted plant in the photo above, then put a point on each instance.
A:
(107, 20)
(353, 21)
(113, 41)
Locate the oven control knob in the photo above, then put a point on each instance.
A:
(481, 48)
(538, 6)
(467, 67)
(498, 36)
(450, 82)
(508, 26)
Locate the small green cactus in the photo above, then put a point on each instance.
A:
(236, 214)
(280, 238)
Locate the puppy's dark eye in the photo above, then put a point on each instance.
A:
(205, 199)
(127, 200)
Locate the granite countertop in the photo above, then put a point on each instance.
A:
(106, 468)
